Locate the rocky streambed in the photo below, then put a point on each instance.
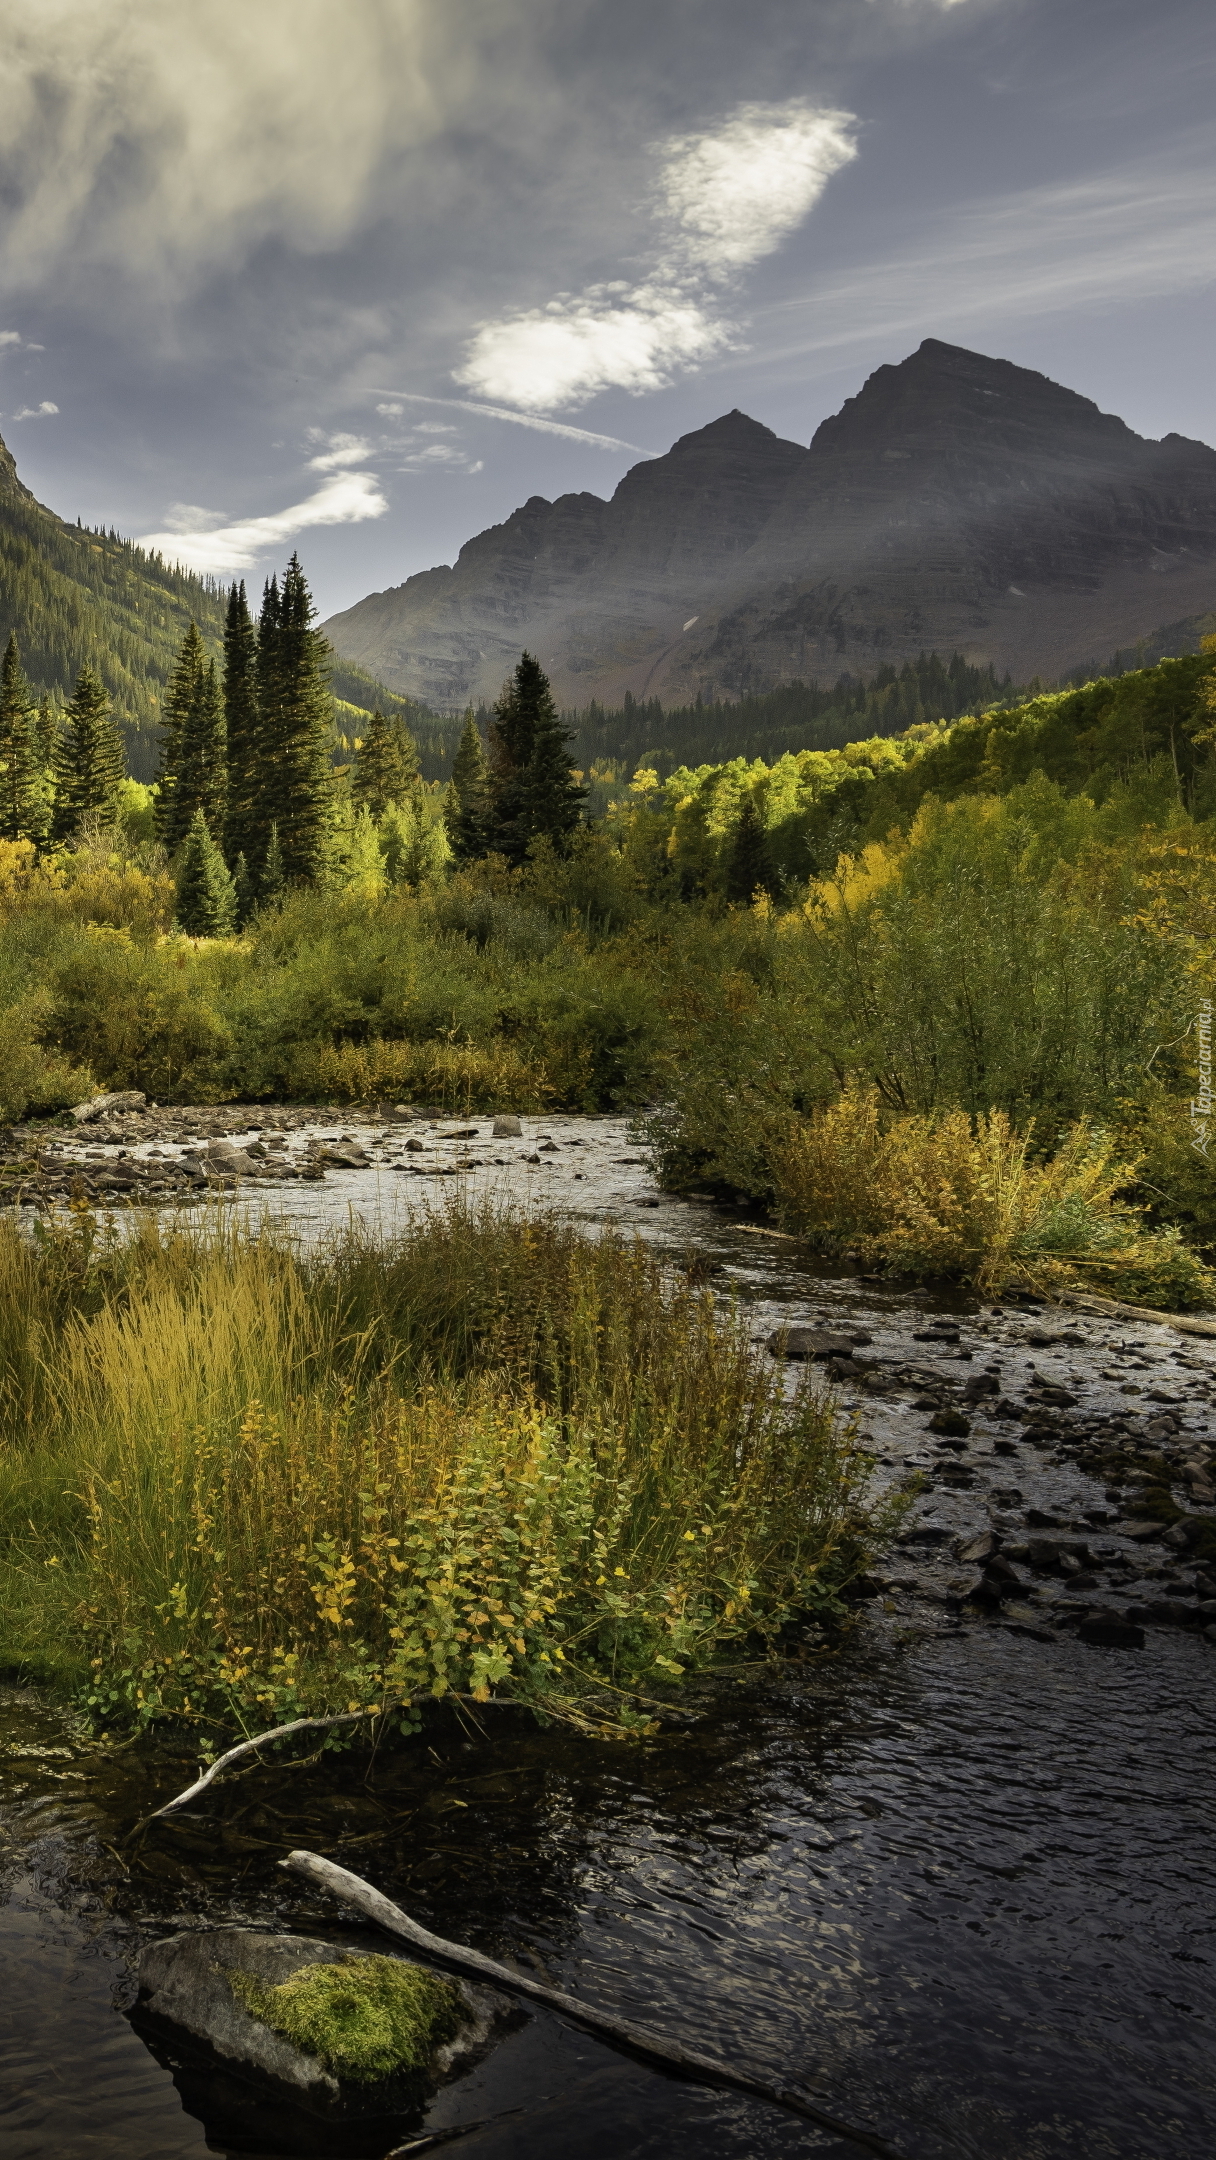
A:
(957, 1871)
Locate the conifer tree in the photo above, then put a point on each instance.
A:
(748, 865)
(181, 691)
(241, 728)
(21, 799)
(533, 789)
(206, 896)
(295, 715)
(386, 765)
(273, 882)
(243, 888)
(193, 769)
(466, 808)
(89, 763)
(553, 795)
(203, 774)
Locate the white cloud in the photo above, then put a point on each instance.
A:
(184, 517)
(347, 499)
(737, 191)
(343, 450)
(724, 199)
(568, 352)
(10, 337)
(36, 412)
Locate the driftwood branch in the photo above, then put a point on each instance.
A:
(638, 2040)
(309, 1724)
(1115, 1309)
(251, 1747)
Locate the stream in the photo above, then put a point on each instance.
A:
(956, 1876)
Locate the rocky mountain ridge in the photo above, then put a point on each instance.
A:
(957, 502)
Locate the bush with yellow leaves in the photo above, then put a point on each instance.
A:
(971, 1197)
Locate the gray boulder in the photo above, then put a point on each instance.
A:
(507, 1128)
(186, 1993)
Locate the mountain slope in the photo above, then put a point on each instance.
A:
(73, 595)
(957, 502)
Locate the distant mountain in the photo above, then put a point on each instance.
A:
(957, 503)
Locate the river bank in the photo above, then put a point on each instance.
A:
(953, 1871)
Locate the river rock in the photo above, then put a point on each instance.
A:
(507, 1128)
(978, 1549)
(101, 1105)
(804, 1342)
(950, 1421)
(185, 1991)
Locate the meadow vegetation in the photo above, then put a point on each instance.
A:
(238, 1485)
(1001, 926)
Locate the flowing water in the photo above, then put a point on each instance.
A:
(957, 1876)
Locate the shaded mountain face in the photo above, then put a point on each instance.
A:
(956, 502)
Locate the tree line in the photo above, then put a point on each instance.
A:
(245, 787)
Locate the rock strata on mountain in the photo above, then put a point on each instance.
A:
(957, 503)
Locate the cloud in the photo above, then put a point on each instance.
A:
(724, 198)
(10, 337)
(36, 412)
(736, 192)
(347, 499)
(343, 450)
(517, 419)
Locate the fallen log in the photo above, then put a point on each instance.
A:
(639, 2040)
(1115, 1309)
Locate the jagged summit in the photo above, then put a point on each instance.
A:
(956, 501)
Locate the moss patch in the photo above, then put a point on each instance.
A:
(365, 2018)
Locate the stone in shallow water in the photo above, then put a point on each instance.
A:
(190, 1989)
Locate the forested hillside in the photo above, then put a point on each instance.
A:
(75, 595)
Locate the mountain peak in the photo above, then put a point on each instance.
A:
(957, 502)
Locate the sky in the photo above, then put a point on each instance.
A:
(361, 278)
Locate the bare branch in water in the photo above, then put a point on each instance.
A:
(638, 2039)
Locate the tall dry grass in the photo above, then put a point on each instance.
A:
(238, 1483)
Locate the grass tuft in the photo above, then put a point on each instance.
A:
(239, 1484)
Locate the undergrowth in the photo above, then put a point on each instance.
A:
(492, 1458)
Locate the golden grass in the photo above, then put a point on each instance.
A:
(491, 1457)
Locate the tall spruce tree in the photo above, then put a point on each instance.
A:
(386, 765)
(181, 691)
(273, 883)
(467, 811)
(22, 811)
(206, 902)
(295, 719)
(533, 789)
(89, 764)
(203, 772)
(241, 728)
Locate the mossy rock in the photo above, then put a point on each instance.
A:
(341, 2033)
(365, 2018)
